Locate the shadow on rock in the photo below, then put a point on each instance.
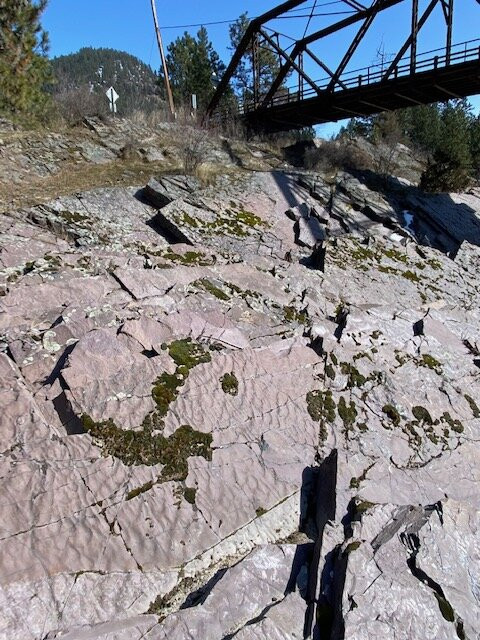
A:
(436, 220)
(317, 508)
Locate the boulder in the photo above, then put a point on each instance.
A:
(161, 191)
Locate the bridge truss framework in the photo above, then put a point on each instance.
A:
(408, 79)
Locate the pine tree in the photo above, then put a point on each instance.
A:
(422, 126)
(475, 145)
(194, 67)
(24, 68)
(268, 62)
(451, 168)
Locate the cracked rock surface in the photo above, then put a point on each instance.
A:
(252, 412)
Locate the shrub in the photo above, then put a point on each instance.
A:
(194, 149)
(446, 173)
(76, 104)
(336, 155)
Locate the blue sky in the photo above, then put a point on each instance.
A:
(127, 25)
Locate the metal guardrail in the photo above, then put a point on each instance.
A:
(374, 74)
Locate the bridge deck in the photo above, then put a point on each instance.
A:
(434, 85)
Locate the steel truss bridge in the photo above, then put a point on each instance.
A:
(409, 78)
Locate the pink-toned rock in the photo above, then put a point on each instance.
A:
(107, 380)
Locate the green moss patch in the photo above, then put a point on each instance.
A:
(321, 407)
(330, 372)
(473, 406)
(292, 315)
(188, 353)
(430, 362)
(72, 217)
(233, 222)
(353, 546)
(347, 413)
(139, 490)
(229, 384)
(143, 447)
(411, 276)
(362, 506)
(147, 446)
(165, 391)
(422, 415)
(393, 254)
(215, 291)
(392, 414)
(189, 258)
(190, 495)
(454, 424)
(355, 378)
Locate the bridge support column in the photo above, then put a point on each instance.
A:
(448, 11)
(256, 69)
(413, 50)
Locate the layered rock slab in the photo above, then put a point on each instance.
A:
(376, 357)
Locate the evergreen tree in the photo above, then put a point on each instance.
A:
(422, 126)
(269, 65)
(24, 68)
(357, 127)
(447, 133)
(475, 144)
(451, 167)
(194, 67)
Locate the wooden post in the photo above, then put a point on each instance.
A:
(164, 62)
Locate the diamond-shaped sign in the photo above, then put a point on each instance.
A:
(112, 95)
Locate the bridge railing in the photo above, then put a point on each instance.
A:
(374, 74)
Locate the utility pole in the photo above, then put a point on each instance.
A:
(164, 62)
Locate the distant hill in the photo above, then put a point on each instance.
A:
(98, 69)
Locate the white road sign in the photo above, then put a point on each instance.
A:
(112, 95)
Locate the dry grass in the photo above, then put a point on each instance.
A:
(74, 178)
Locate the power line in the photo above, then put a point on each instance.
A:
(310, 19)
(289, 15)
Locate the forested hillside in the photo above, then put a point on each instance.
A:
(98, 69)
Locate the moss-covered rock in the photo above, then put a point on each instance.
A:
(473, 406)
(292, 315)
(430, 362)
(145, 448)
(190, 495)
(422, 415)
(392, 414)
(229, 384)
(188, 353)
(347, 412)
(321, 407)
(215, 291)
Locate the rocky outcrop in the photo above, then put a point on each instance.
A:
(227, 437)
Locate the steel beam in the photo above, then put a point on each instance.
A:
(448, 12)
(242, 48)
(409, 40)
(301, 45)
(355, 5)
(379, 5)
(255, 69)
(351, 50)
(282, 74)
(413, 50)
(323, 66)
(298, 68)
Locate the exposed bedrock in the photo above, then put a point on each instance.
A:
(246, 411)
